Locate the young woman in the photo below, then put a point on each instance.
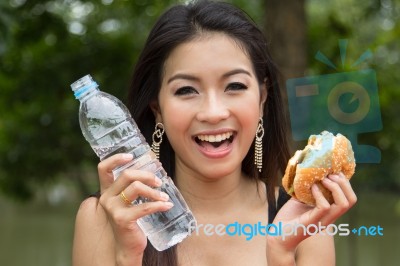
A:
(205, 74)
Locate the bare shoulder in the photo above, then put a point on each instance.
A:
(93, 239)
(90, 215)
(88, 204)
(321, 244)
(88, 209)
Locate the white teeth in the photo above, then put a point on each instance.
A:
(215, 138)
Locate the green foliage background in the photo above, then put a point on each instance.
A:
(46, 45)
(372, 25)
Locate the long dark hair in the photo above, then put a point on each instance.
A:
(183, 23)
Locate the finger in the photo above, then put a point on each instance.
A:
(346, 187)
(106, 166)
(339, 199)
(129, 176)
(123, 217)
(138, 189)
(153, 207)
(322, 206)
(340, 203)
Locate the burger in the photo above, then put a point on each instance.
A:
(324, 154)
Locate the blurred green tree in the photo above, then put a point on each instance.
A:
(44, 47)
(366, 25)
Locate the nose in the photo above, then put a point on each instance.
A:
(213, 109)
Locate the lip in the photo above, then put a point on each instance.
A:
(221, 153)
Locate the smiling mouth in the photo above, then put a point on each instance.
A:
(214, 141)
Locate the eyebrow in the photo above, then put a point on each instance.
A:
(190, 77)
(181, 76)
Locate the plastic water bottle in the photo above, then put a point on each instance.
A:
(109, 128)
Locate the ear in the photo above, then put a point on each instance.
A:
(155, 108)
(263, 96)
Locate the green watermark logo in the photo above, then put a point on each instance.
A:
(344, 102)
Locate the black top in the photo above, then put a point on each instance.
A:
(283, 197)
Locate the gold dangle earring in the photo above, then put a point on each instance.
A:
(157, 139)
(258, 153)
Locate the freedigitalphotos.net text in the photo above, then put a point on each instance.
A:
(282, 230)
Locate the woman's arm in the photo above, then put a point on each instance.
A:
(93, 239)
(316, 250)
(106, 232)
(94, 242)
(299, 248)
(313, 251)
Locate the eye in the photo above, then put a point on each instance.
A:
(185, 91)
(236, 86)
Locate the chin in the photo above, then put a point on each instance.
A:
(215, 172)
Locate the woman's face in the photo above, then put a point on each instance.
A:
(210, 105)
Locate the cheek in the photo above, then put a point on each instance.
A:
(248, 109)
(248, 114)
(176, 118)
(249, 123)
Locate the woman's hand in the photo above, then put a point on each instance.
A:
(129, 238)
(296, 213)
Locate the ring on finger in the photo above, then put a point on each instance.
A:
(124, 198)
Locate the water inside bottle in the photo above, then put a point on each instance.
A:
(108, 127)
(123, 138)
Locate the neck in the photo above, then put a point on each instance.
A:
(214, 195)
